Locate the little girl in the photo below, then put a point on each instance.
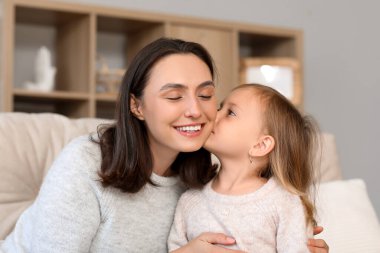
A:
(260, 194)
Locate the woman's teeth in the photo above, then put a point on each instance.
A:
(189, 128)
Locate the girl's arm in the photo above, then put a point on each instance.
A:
(65, 215)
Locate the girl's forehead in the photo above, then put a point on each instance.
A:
(246, 99)
(244, 93)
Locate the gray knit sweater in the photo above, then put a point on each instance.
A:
(74, 213)
(268, 220)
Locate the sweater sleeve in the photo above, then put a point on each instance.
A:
(292, 233)
(177, 236)
(65, 215)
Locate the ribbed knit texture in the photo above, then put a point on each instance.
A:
(74, 213)
(268, 220)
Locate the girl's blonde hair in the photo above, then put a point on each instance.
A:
(291, 161)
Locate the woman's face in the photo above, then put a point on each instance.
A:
(178, 104)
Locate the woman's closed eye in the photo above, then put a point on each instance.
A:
(173, 95)
(207, 92)
(205, 97)
(174, 98)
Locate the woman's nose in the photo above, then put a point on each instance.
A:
(193, 109)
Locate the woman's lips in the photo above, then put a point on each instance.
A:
(192, 130)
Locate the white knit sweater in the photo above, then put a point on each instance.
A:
(74, 213)
(268, 220)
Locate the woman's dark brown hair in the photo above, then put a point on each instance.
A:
(127, 161)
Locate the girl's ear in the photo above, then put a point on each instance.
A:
(135, 106)
(263, 147)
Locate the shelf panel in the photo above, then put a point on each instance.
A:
(56, 95)
(31, 15)
(106, 97)
(119, 39)
(123, 25)
(255, 45)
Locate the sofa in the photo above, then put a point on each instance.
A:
(30, 142)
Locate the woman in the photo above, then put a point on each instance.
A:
(117, 192)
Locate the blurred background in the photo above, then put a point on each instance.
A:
(341, 65)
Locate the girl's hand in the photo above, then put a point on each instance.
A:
(205, 244)
(318, 245)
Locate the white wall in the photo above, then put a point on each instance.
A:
(1, 51)
(342, 65)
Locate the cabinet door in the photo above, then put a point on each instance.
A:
(221, 47)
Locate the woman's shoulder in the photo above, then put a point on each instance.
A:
(84, 143)
(84, 147)
(80, 157)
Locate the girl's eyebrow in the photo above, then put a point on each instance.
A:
(184, 87)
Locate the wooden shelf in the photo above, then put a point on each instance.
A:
(76, 34)
(56, 95)
(106, 97)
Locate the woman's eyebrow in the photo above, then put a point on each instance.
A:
(183, 87)
(206, 83)
(169, 86)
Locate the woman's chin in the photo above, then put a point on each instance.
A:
(191, 148)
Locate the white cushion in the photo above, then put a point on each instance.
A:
(28, 145)
(326, 159)
(348, 217)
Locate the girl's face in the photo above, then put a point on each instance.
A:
(238, 125)
(178, 104)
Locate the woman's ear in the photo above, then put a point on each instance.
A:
(263, 146)
(135, 106)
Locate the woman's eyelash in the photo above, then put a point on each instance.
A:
(205, 96)
(174, 98)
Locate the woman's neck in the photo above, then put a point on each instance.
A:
(236, 178)
(162, 161)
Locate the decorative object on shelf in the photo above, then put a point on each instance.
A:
(282, 74)
(44, 72)
(108, 80)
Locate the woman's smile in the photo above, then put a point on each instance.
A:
(191, 130)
